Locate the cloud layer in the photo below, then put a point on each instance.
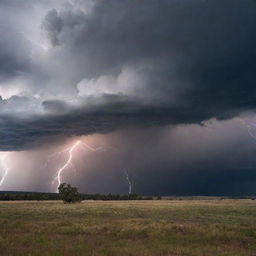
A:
(99, 66)
(163, 81)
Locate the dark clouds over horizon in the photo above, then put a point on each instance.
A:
(75, 68)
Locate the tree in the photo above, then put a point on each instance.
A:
(68, 193)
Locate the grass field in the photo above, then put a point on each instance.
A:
(167, 228)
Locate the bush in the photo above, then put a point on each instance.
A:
(68, 193)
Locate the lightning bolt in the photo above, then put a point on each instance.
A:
(3, 164)
(129, 182)
(57, 179)
(69, 162)
(249, 127)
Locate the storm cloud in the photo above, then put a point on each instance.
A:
(79, 68)
(176, 61)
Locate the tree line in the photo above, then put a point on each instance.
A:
(13, 196)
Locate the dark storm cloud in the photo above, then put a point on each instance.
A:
(55, 106)
(18, 133)
(186, 160)
(201, 51)
(13, 59)
(52, 24)
(15, 44)
(195, 60)
(207, 46)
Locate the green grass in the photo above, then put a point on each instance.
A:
(167, 228)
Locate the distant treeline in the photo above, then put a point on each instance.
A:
(12, 196)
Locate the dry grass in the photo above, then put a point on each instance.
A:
(168, 228)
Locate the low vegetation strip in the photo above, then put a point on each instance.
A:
(17, 195)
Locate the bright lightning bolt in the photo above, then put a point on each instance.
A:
(129, 182)
(69, 161)
(4, 166)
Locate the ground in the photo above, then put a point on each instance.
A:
(141, 228)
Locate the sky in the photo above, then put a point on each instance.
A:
(158, 96)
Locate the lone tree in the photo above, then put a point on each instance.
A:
(68, 193)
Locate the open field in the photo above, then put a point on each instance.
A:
(174, 228)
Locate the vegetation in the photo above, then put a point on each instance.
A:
(134, 228)
(14, 196)
(68, 193)
(17, 196)
(111, 197)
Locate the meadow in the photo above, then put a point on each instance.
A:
(122, 228)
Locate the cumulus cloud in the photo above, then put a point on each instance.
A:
(129, 82)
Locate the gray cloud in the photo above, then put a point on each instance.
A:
(19, 133)
(172, 61)
(89, 67)
(52, 25)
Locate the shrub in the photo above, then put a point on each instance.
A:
(68, 193)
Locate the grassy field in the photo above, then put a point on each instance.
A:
(174, 228)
